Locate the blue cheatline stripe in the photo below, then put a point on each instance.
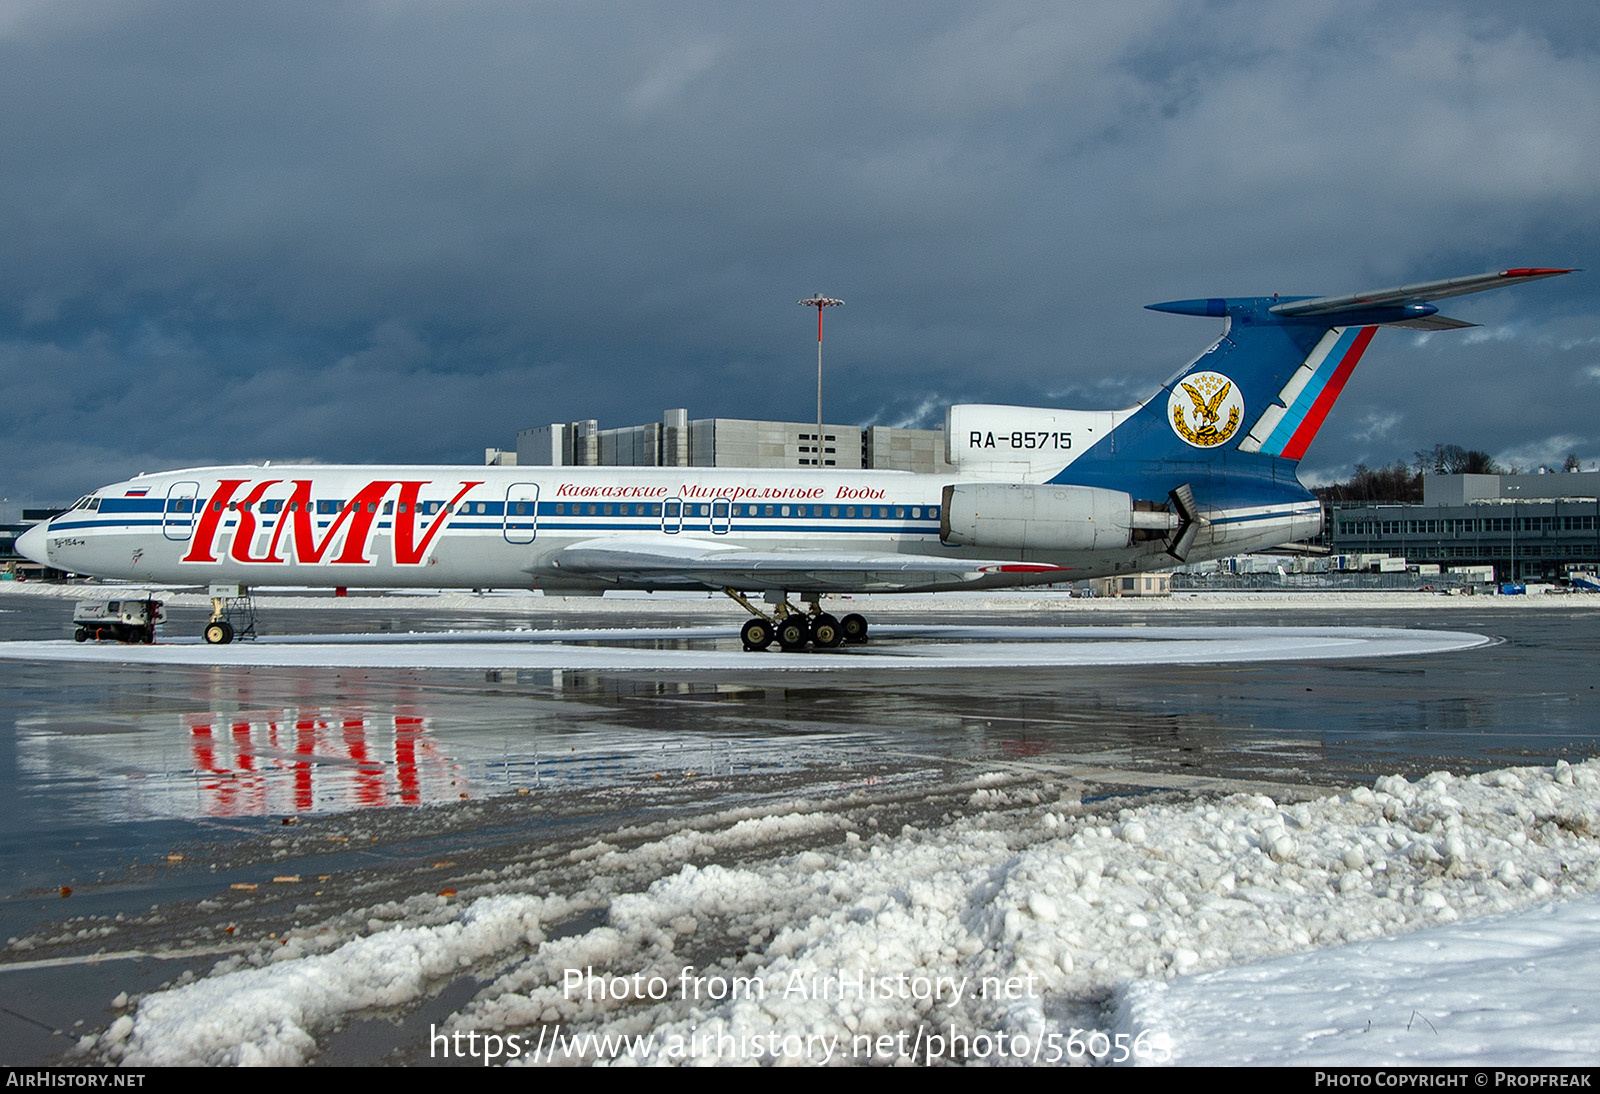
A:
(1303, 402)
(132, 505)
(1264, 516)
(79, 525)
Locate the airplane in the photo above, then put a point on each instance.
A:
(1204, 468)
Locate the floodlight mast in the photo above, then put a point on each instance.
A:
(819, 302)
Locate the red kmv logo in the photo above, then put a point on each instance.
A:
(348, 538)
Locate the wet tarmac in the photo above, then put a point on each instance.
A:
(108, 771)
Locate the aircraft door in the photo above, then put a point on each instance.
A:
(721, 516)
(521, 523)
(672, 515)
(177, 517)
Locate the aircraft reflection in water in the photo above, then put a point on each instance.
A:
(298, 762)
(242, 763)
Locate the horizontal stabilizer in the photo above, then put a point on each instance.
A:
(1432, 322)
(1419, 293)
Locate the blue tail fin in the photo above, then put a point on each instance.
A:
(1286, 360)
(1244, 412)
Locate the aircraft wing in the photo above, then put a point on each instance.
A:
(695, 563)
(1419, 293)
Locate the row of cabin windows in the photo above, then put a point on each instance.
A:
(653, 509)
(641, 509)
(426, 508)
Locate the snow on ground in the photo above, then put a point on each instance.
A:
(1516, 990)
(519, 601)
(895, 647)
(1029, 929)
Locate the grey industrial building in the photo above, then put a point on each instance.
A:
(1528, 527)
(675, 441)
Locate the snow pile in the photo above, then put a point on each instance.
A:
(267, 1015)
(996, 936)
(1516, 991)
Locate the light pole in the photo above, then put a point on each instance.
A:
(819, 302)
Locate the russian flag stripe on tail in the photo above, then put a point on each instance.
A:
(1287, 427)
(1330, 393)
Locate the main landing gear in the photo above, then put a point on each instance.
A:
(793, 629)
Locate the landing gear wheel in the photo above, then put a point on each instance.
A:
(854, 628)
(218, 633)
(793, 633)
(825, 632)
(756, 634)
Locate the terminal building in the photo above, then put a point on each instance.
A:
(675, 441)
(1528, 527)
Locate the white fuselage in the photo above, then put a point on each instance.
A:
(473, 527)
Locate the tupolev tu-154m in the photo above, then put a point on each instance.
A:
(1204, 468)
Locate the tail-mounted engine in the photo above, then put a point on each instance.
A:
(1047, 517)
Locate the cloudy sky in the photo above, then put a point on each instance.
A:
(400, 231)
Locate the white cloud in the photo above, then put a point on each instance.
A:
(671, 76)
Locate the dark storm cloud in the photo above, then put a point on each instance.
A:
(401, 231)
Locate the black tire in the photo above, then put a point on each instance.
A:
(826, 632)
(854, 628)
(793, 632)
(81, 634)
(218, 633)
(756, 634)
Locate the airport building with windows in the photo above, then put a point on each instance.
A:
(1528, 527)
(675, 441)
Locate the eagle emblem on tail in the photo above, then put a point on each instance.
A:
(1199, 419)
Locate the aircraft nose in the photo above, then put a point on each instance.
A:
(32, 543)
